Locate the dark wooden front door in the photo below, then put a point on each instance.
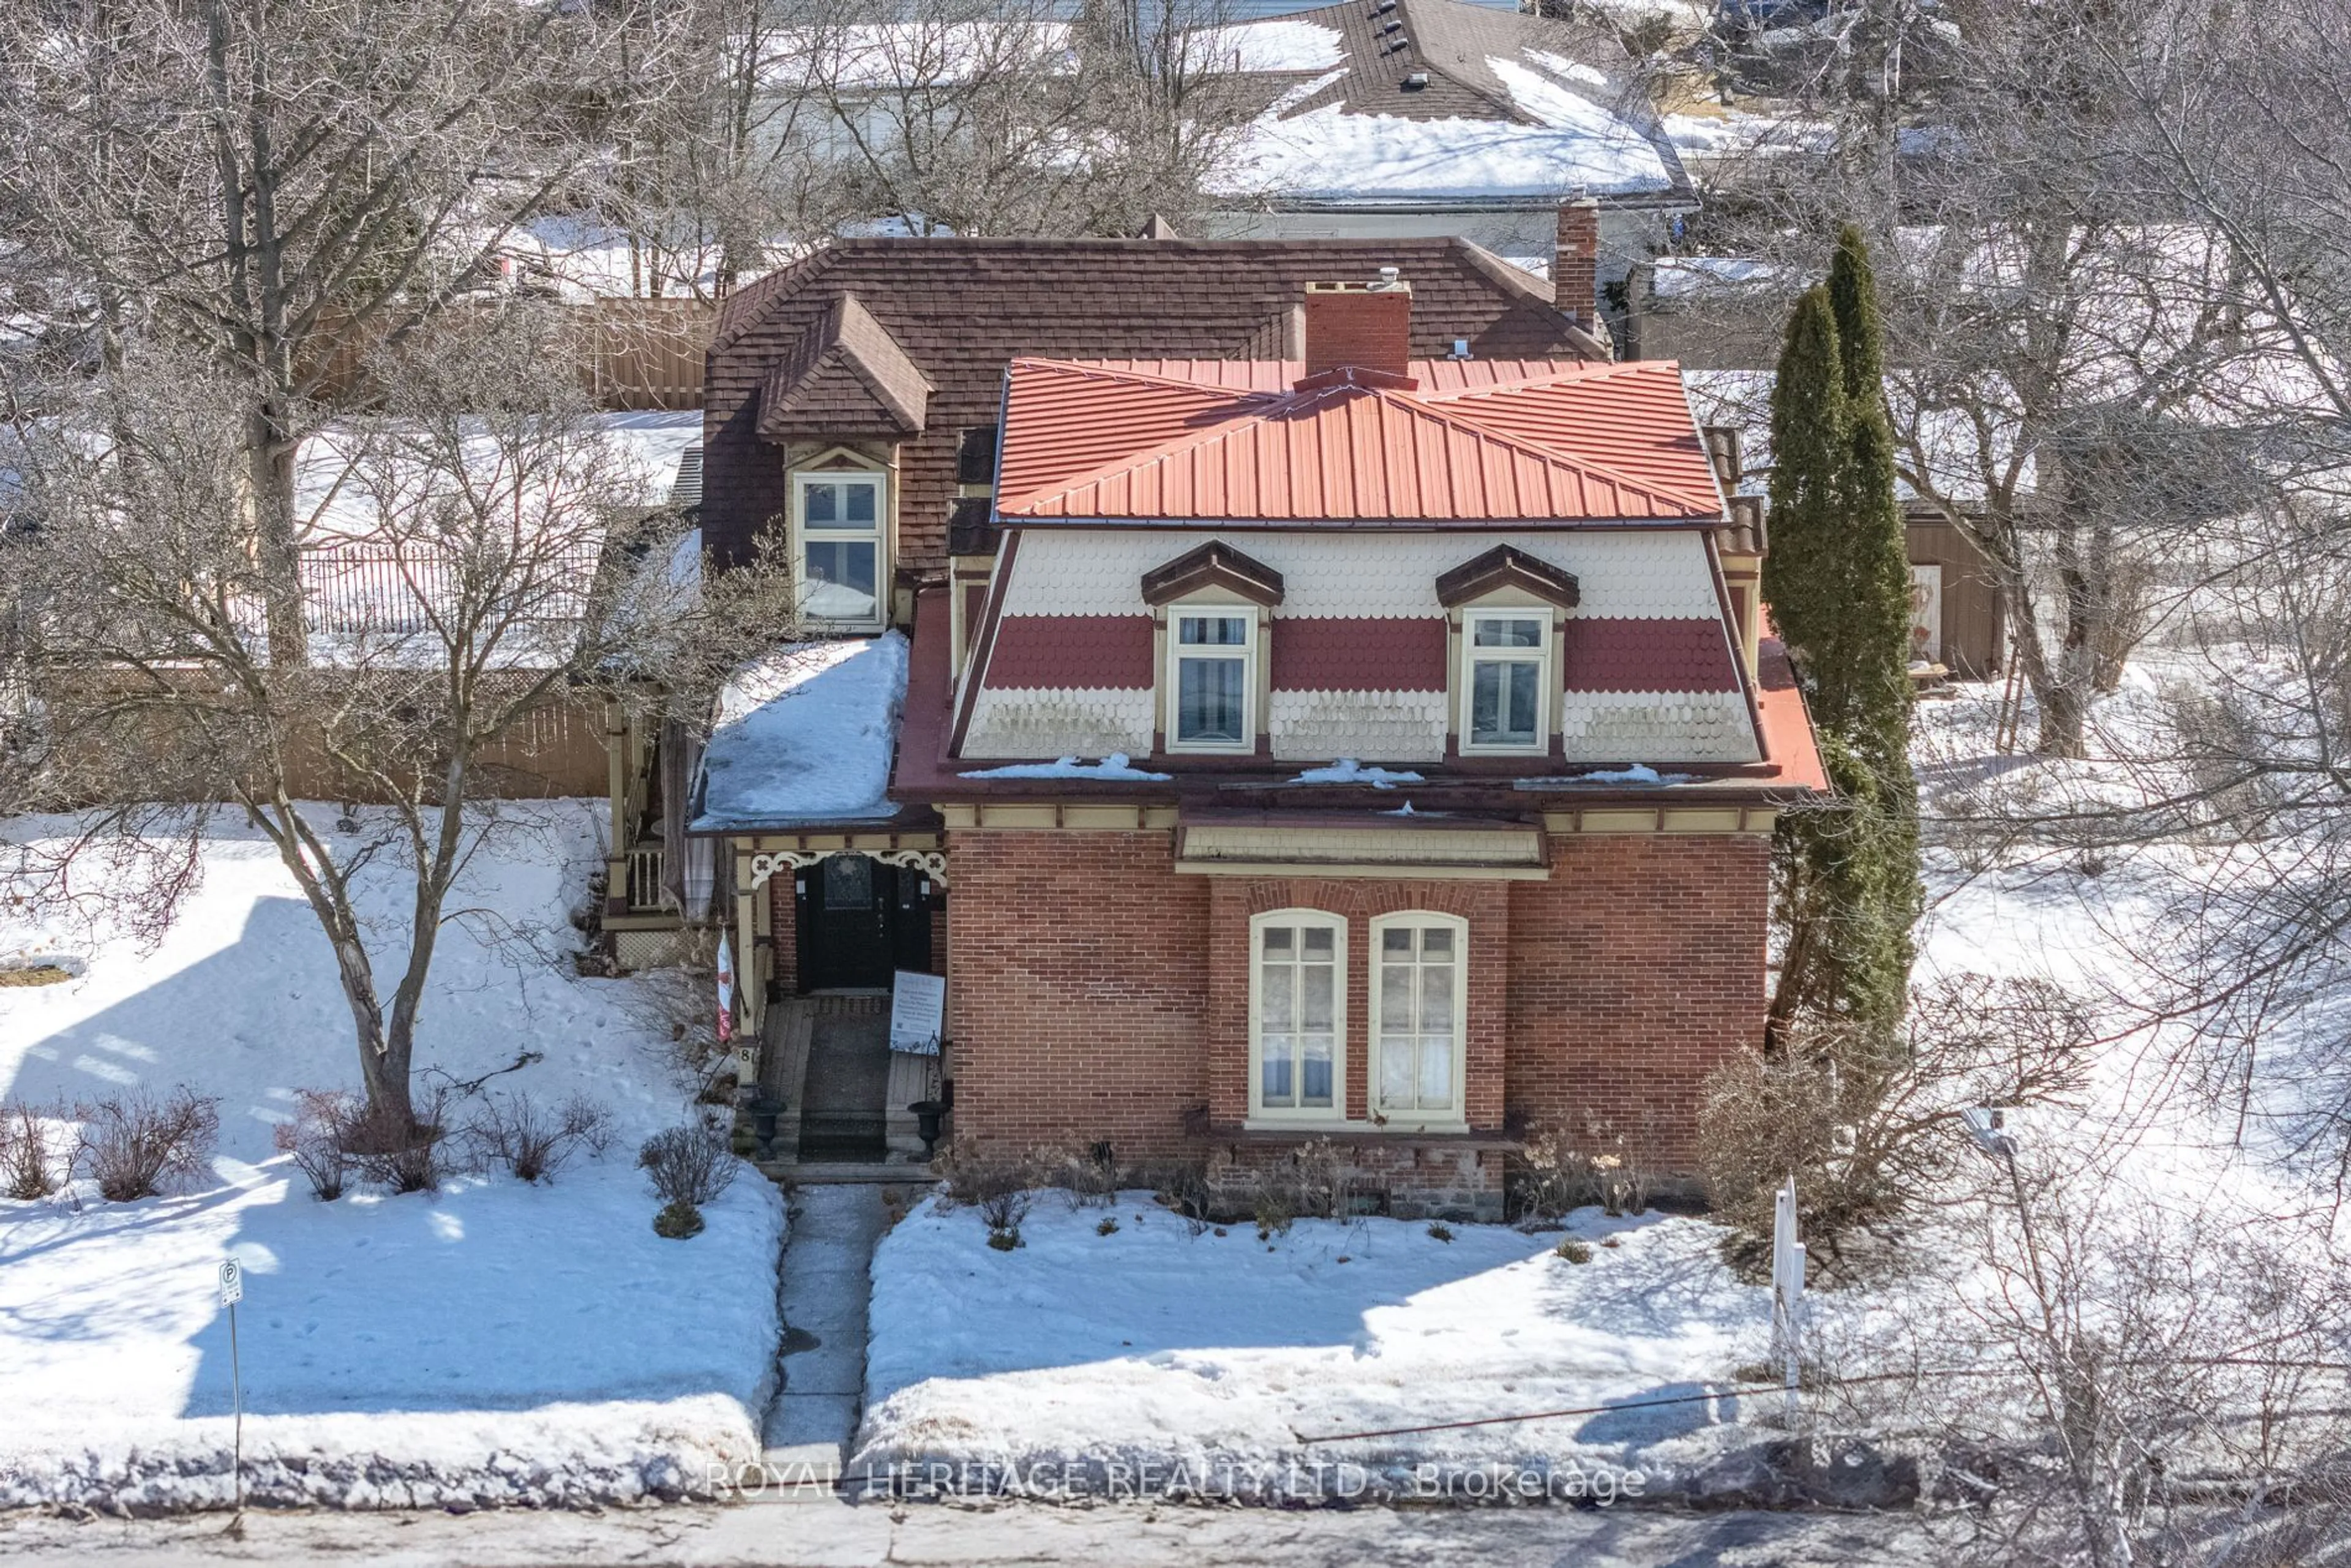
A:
(858, 920)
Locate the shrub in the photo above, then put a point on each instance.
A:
(1870, 1127)
(404, 1155)
(30, 1150)
(1573, 1251)
(1439, 1231)
(1275, 1214)
(1107, 1227)
(678, 1221)
(690, 1165)
(1002, 1189)
(135, 1145)
(533, 1142)
(1182, 1186)
(1003, 1211)
(319, 1138)
(1554, 1172)
(1326, 1181)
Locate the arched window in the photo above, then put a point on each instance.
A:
(1419, 1017)
(1298, 1006)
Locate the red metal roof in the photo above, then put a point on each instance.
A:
(1465, 441)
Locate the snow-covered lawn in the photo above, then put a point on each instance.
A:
(493, 1342)
(1224, 1363)
(1156, 1359)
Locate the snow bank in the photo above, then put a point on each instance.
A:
(491, 1343)
(1237, 1366)
(806, 734)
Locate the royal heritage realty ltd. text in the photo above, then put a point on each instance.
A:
(1114, 1480)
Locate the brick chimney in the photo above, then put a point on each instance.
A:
(1365, 326)
(1575, 265)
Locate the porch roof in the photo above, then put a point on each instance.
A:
(803, 738)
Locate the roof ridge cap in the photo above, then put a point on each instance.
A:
(759, 297)
(1105, 370)
(1273, 403)
(1552, 454)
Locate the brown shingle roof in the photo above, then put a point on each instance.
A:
(848, 379)
(959, 310)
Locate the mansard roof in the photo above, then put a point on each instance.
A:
(1449, 442)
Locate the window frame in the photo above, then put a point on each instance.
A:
(1456, 1117)
(1543, 657)
(1249, 655)
(1260, 1114)
(803, 479)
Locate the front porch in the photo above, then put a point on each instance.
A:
(825, 1060)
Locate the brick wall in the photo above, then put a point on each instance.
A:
(1633, 970)
(1095, 994)
(1077, 989)
(785, 965)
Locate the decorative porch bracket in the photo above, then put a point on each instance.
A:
(765, 863)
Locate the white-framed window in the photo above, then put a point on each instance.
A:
(1505, 680)
(1212, 677)
(1419, 1017)
(1297, 1015)
(840, 518)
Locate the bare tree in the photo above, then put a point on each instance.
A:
(2127, 1373)
(983, 118)
(514, 566)
(260, 183)
(2061, 347)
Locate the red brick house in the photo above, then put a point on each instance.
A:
(1334, 707)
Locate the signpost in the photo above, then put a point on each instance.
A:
(918, 1011)
(1787, 1292)
(231, 1291)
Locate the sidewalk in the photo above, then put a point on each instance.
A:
(827, 1282)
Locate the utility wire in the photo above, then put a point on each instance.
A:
(1741, 1389)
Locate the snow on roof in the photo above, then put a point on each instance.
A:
(1677, 276)
(332, 507)
(1282, 43)
(1432, 100)
(1116, 766)
(1951, 445)
(368, 581)
(1327, 153)
(805, 733)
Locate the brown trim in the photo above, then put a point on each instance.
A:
(975, 670)
(1737, 644)
(1213, 565)
(1505, 566)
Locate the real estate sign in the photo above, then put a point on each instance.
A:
(918, 1011)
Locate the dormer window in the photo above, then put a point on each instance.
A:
(1211, 655)
(840, 517)
(1506, 654)
(1215, 606)
(1507, 610)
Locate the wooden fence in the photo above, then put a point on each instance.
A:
(635, 353)
(554, 749)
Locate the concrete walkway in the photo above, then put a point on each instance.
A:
(827, 1283)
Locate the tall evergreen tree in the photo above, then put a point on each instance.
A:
(1838, 581)
(1808, 447)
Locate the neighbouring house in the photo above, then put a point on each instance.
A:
(1289, 690)
(1375, 118)
(1433, 117)
(1959, 610)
